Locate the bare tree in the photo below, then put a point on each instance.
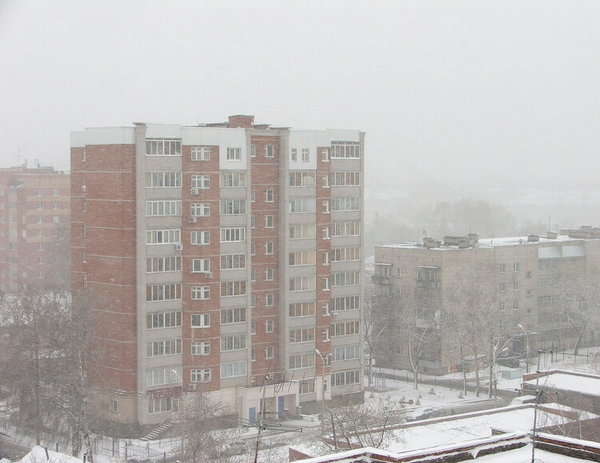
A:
(205, 429)
(360, 425)
(45, 360)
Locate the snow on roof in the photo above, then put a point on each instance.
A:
(40, 454)
(473, 425)
(588, 384)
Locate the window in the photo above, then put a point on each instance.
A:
(269, 151)
(163, 375)
(515, 285)
(200, 265)
(301, 231)
(252, 221)
(302, 258)
(232, 179)
(252, 249)
(294, 154)
(200, 375)
(114, 406)
(345, 254)
(157, 320)
(301, 361)
(345, 303)
(233, 288)
(233, 234)
(269, 300)
(200, 320)
(163, 208)
(164, 292)
(325, 208)
(307, 386)
(269, 222)
(345, 328)
(199, 209)
(233, 315)
(234, 154)
(301, 309)
(302, 178)
(200, 238)
(253, 274)
(269, 196)
(253, 150)
(163, 347)
(515, 305)
(325, 284)
(269, 247)
(302, 204)
(233, 342)
(163, 147)
(502, 286)
(305, 154)
(269, 274)
(345, 149)
(345, 278)
(345, 178)
(501, 268)
(233, 261)
(269, 326)
(325, 233)
(162, 404)
(200, 153)
(163, 264)
(344, 378)
(233, 206)
(163, 179)
(233, 369)
(269, 352)
(349, 203)
(346, 353)
(305, 283)
(200, 293)
(302, 335)
(325, 181)
(201, 181)
(516, 266)
(325, 155)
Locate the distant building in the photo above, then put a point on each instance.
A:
(536, 289)
(34, 227)
(222, 257)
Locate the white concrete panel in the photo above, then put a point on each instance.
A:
(77, 139)
(163, 131)
(104, 136)
(343, 135)
(303, 139)
(223, 138)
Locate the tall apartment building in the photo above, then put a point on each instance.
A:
(34, 227)
(539, 283)
(224, 258)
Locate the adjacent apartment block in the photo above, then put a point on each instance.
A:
(464, 293)
(34, 227)
(224, 258)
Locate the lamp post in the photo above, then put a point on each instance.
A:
(526, 347)
(323, 358)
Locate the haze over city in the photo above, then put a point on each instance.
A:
(236, 231)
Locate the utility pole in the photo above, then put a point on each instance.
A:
(323, 358)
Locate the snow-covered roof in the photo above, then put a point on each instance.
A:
(585, 384)
(40, 454)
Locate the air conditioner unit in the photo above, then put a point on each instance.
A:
(195, 191)
(179, 247)
(334, 314)
(83, 188)
(192, 386)
(192, 219)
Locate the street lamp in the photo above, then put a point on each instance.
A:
(526, 348)
(323, 359)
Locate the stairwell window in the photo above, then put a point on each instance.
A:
(234, 154)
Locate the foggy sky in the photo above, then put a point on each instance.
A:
(464, 93)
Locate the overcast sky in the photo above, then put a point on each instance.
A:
(460, 92)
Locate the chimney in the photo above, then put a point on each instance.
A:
(240, 120)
